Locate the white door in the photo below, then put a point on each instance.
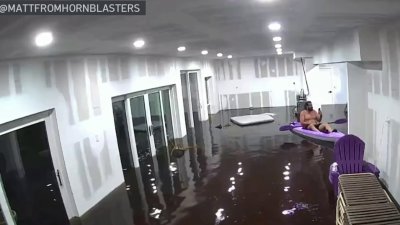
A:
(321, 88)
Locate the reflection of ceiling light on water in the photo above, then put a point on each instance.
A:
(220, 214)
(287, 167)
(155, 213)
(155, 191)
(240, 170)
(148, 165)
(289, 164)
(172, 167)
(286, 173)
(239, 163)
(232, 188)
(232, 178)
(288, 211)
(241, 174)
(233, 182)
(286, 189)
(152, 179)
(287, 178)
(48, 185)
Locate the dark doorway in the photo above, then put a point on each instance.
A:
(29, 177)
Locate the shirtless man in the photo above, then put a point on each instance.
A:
(311, 120)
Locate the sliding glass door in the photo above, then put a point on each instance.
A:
(152, 122)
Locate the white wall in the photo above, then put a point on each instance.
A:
(346, 47)
(353, 46)
(268, 81)
(370, 48)
(374, 108)
(80, 90)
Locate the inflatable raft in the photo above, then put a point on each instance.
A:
(253, 119)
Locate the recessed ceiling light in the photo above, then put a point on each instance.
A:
(220, 54)
(279, 53)
(276, 39)
(230, 56)
(204, 52)
(279, 49)
(278, 46)
(139, 43)
(275, 26)
(44, 39)
(181, 48)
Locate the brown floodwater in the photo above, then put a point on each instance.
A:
(234, 175)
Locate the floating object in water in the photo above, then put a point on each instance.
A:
(297, 129)
(252, 119)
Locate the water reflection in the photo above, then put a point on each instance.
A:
(232, 176)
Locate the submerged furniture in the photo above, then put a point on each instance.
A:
(349, 159)
(362, 200)
(252, 119)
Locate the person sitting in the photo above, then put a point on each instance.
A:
(311, 120)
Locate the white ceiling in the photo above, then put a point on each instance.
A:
(237, 27)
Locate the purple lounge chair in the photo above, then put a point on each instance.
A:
(349, 159)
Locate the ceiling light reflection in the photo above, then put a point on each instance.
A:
(275, 26)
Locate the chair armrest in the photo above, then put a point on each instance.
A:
(370, 168)
(333, 173)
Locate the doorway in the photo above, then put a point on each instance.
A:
(31, 176)
(191, 97)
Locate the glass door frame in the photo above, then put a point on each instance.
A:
(174, 114)
(50, 120)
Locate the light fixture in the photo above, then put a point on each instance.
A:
(181, 49)
(220, 54)
(279, 53)
(44, 39)
(278, 46)
(275, 26)
(204, 52)
(279, 49)
(139, 43)
(277, 39)
(230, 56)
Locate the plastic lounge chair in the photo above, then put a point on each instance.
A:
(349, 159)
